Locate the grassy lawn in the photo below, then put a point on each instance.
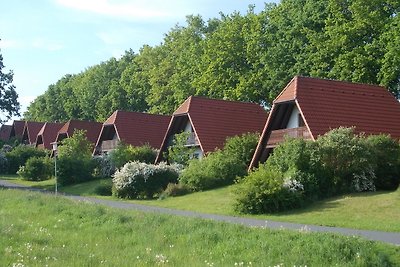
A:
(370, 211)
(69, 233)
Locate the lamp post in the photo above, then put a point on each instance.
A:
(55, 152)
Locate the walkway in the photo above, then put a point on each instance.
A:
(388, 237)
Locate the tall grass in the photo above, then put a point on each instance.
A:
(39, 230)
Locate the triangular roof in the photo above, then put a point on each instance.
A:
(136, 128)
(214, 120)
(48, 134)
(92, 129)
(31, 130)
(328, 104)
(17, 129)
(5, 131)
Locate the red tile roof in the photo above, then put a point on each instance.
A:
(31, 130)
(48, 134)
(137, 128)
(17, 129)
(92, 129)
(5, 131)
(214, 120)
(328, 104)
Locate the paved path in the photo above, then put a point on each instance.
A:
(388, 237)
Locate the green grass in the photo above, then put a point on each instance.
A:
(39, 230)
(369, 211)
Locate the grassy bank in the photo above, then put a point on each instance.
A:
(370, 211)
(40, 230)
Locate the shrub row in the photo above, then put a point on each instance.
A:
(299, 172)
(220, 167)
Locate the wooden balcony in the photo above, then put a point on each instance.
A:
(278, 136)
(108, 145)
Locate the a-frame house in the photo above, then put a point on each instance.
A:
(132, 128)
(48, 135)
(210, 122)
(310, 107)
(30, 132)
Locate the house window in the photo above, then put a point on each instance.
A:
(300, 120)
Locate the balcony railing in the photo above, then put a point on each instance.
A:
(192, 140)
(279, 136)
(108, 145)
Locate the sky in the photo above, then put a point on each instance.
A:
(43, 40)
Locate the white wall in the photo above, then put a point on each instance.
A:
(294, 118)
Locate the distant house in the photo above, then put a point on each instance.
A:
(17, 129)
(210, 121)
(132, 128)
(5, 131)
(30, 132)
(48, 135)
(310, 107)
(91, 128)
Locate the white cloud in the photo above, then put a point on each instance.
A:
(9, 44)
(130, 9)
(47, 44)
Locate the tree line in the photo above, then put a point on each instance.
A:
(245, 57)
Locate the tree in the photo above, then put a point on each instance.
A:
(9, 104)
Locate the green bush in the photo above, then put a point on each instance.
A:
(20, 154)
(3, 163)
(215, 170)
(266, 191)
(141, 180)
(343, 156)
(386, 158)
(220, 167)
(74, 170)
(103, 190)
(74, 163)
(178, 152)
(126, 153)
(37, 169)
(174, 190)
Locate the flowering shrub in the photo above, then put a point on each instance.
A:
(142, 180)
(104, 166)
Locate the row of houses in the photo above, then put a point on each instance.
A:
(306, 108)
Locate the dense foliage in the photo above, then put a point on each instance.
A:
(247, 57)
(142, 180)
(220, 167)
(74, 163)
(37, 169)
(19, 155)
(9, 105)
(125, 153)
(299, 172)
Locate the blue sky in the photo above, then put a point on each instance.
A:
(43, 40)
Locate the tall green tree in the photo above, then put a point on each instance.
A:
(9, 105)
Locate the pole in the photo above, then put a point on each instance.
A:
(55, 170)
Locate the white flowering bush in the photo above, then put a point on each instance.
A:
(142, 180)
